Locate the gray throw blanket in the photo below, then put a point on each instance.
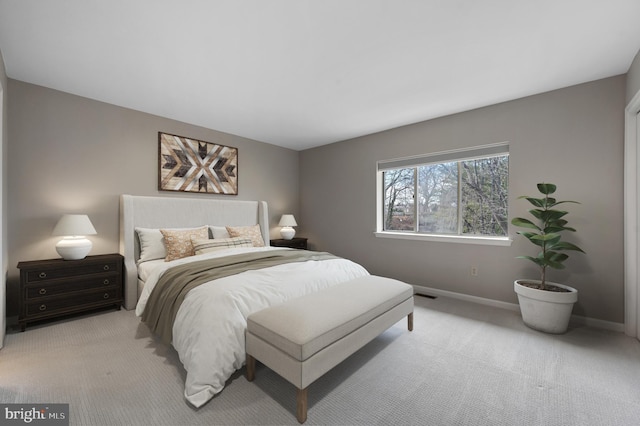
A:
(172, 287)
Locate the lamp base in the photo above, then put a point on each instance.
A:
(73, 248)
(287, 232)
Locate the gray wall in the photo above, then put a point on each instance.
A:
(633, 78)
(70, 154)
(3, 196)
(572, 137)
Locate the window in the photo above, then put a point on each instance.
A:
(456, 193)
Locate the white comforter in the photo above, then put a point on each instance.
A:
(208, 332)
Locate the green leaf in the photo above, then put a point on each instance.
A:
(529, 236)
(538, 202)
(563, 245)
(553, 256)
(555, 265)
(549, 229)
(567, 201)
(546, 188)
(524, 223)
(537, 213)
(548, 238)
(552, 215)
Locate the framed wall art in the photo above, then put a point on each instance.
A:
(191, 165)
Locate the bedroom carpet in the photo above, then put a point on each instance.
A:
(464, 364)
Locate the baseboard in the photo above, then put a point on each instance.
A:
(596, 323)
(575, 319)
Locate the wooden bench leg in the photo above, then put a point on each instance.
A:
(410, 321)
(301, 405)
(251, 368)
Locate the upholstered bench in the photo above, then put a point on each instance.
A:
(303, 338)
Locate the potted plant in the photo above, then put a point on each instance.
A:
(546, 306)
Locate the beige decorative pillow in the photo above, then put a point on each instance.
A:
(207, 246)
(252, 232)
(178, 244)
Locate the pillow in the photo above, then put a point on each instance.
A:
(177, 242)
(219, 232)
(252, 232)
(207, 246)
(151, 245)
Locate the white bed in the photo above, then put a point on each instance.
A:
(209, 328)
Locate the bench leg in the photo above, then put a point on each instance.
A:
(410, 321)
(251, 368)
(301, 405)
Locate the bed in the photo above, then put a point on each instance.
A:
(208, 327)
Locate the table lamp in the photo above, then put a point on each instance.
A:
(287, 221)
(74, 227)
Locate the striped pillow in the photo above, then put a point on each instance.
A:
(252, 232)
(207, 246)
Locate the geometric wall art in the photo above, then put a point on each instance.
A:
(190, 165)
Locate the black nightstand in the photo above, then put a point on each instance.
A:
(296, 243)
(57, 287)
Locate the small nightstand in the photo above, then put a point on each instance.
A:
(57, 287)
(296, 243)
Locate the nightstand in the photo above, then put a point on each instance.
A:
(57, 287)
(296, 243)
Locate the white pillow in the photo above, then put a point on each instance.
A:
(219, 232)
(151, 245)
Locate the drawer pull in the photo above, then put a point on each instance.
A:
(106, 267)
(106, 296)
(43, 275)
(43, 307)
(106, 281)
(43, 291)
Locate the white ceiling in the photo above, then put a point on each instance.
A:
(300, 74)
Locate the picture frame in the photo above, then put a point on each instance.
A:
(192, 165)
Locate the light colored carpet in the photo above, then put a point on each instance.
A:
(464, 364)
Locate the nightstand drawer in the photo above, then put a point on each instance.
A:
(53, 288)
(44, 273)
(54, 305)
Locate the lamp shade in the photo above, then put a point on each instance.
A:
(73, 227)
(287, 221)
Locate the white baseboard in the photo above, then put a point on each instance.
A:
(575, 319)
(596, 323)
(427, 291)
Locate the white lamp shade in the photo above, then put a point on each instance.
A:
(74, 224)
(287, 221)
(74, 227)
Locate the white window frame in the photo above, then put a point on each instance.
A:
(483, 151)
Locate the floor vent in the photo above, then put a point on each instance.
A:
(425, 295)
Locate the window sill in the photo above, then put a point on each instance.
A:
(464, 239)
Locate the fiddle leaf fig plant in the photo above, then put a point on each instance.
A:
(547, 225)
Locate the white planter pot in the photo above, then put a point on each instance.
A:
(547, 311)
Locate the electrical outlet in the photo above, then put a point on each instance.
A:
(474, 271)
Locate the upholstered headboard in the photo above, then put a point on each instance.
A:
(174, 212)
